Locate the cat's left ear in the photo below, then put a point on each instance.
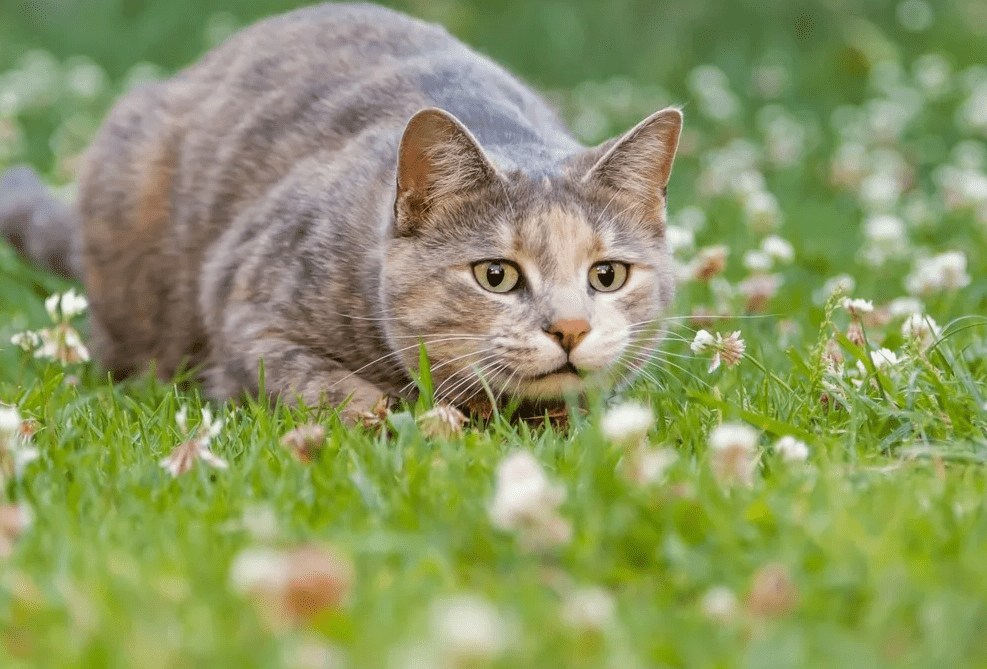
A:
(439, 160)
(639, 163)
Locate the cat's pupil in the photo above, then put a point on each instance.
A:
(495, 275)
(606, 275)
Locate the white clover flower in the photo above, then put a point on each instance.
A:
(733, 453)
(762, 212)
(758, 289)
(946, 271)
(627, 424)
(880, 191)
(16, 451)
(442, 422)
(679, 239)
(15, 519)
(10, 420)
(791, 449)
(858, 307)
(727, 350)
(733, 435)
(719, 604)
(195, 445)
(258, 568)
(709, 262)
(905, 306)
(932, 73)
(645, 466)
(757, 261)
(526, 502)
(591, 609)
(778, 249)
(849, 164)
(884, 357)
(923, 329)
(468, 629)
(28, 341)
(885, 230)
(703, 342)
(51, 306)
(691, 218)
(844, 283)
(73, 304)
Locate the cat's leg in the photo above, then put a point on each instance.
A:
(291, 370)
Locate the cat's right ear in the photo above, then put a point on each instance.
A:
(439, 159)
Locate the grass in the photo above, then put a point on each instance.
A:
(870, 553)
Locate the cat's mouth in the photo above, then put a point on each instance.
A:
(567, 368)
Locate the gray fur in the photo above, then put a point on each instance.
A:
(254, 207)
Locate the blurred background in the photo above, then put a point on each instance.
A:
(852, 129)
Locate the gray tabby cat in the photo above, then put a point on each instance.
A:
(332, 186)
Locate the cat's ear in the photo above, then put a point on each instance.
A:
(439, 159)
(638, 164)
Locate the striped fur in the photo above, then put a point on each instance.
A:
(314, 194)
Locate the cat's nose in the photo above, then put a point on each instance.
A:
(569, 332)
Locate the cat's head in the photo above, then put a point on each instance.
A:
(533, 286)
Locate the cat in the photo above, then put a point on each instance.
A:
(336, 185)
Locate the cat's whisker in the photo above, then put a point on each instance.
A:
(426, 338)
(484, 381)
(384, 357)
(452, 377)
(658, 352)
(632, 371)
(486, 356)
(471, 377)
(685, 371)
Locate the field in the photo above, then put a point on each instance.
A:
(818, 501)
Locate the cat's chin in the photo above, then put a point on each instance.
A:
(554, 385)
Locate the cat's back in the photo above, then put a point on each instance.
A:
(309, 102)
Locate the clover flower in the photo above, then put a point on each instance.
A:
(758, 289)
(468, 630)
(60, 342)
(15, 519)
(857, 308)
(728, 351)
(772, 592)
(791, 449)
(526, 502)
(290, 587)
(780, 250)
(922, 329)
(589, 610)
(443, 422)
(627, 424)
(946, 271)
(195, 445)
(305, 441)
(16, 451)
(734, 454)
(719, 604)
(709, 262)
(762, 213)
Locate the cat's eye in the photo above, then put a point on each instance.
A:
(607, 277)
(497, 276)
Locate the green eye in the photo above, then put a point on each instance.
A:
(497, 276)
(607, 277)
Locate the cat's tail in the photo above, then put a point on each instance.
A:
(38, 226)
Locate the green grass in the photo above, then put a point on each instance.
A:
(882, 531)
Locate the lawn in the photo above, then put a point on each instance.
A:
(818, 501)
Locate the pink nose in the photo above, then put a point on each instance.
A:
(569, 332)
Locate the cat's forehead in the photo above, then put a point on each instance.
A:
(559, 239)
